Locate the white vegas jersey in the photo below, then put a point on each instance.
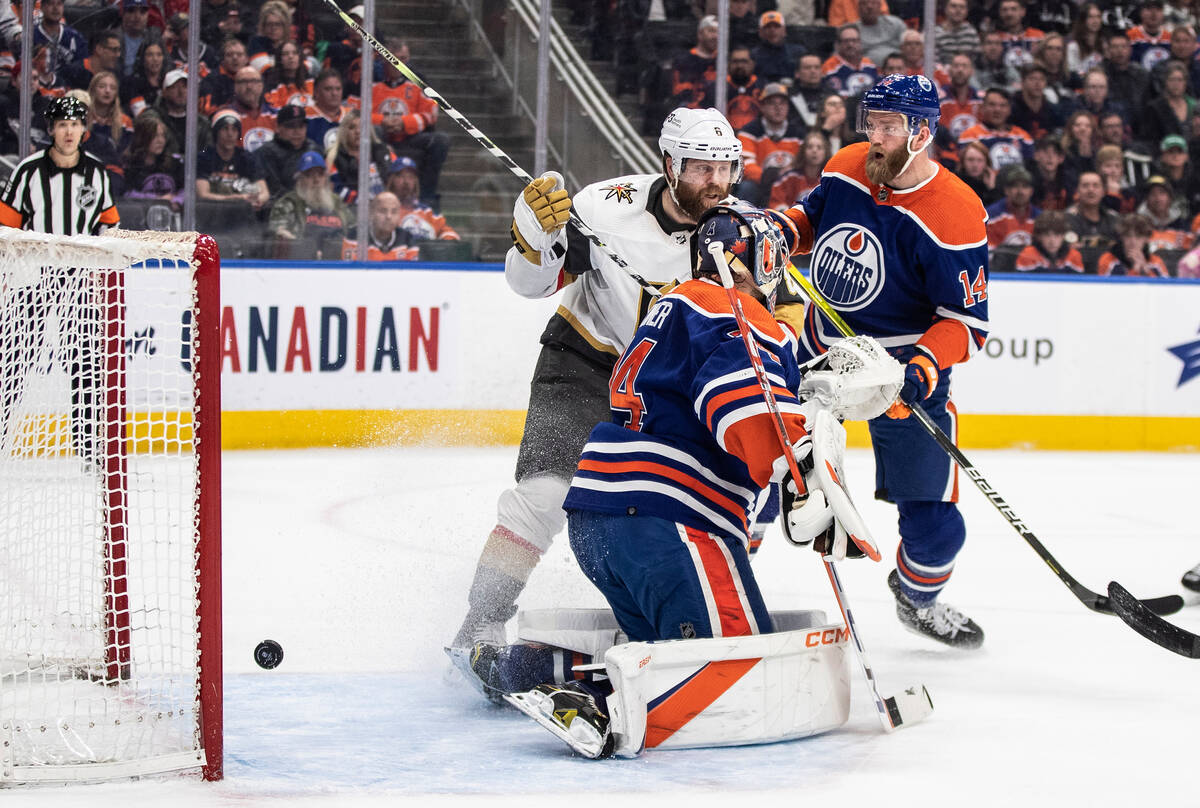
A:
(602, 305)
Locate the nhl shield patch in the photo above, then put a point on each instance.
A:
(86, 196)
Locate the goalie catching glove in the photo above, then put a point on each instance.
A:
(539, 215)
(825, 512)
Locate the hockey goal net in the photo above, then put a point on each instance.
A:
(110, 597)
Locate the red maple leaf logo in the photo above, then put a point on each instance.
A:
(739, 247)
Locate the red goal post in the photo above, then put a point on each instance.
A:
(110, 506)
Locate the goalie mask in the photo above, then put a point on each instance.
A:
(754, 246)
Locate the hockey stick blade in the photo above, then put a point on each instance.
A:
(1145, 622)
(909, 706)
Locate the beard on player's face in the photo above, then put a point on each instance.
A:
(883, 165)
(694, 200)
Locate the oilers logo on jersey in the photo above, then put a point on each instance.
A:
(848, 266)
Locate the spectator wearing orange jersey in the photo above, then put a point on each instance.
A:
(1010, 221)
(406, 117)
(742, 89)
(770, 146)
(419, 220)
(842, 12)
(1131, 255)
(1049, 251)
(386, 239)
(258, 117)
(287, 81)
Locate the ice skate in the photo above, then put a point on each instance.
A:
(571, 713)
(939, 621)
(1191, 579)
(477, 666)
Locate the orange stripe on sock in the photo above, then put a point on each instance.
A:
(908, 573)
(708, 685)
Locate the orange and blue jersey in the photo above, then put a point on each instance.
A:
(1034, 259)
(691, 440)
(846, 79)
(1005, 146)
(909, 267)
(1148, 49)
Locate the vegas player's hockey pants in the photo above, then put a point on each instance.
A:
(667, 581)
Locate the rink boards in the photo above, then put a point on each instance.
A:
(354, 354)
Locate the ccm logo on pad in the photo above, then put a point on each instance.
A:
(830, 636)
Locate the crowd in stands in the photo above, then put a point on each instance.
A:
(1075, 122)
(278, 129)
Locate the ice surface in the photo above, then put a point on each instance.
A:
(358, 562)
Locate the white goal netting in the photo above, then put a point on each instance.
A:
(104, 529)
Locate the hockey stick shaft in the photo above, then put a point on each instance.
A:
(1168, 604)
(484, 141)
(717, 250)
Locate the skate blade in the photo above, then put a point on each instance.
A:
(908, 706)
(460, 658)
(584, 740)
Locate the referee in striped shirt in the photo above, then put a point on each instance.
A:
(65, 191)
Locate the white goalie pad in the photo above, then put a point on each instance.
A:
(730, 691)
(588, 631)
(856, 379)
(829, 450)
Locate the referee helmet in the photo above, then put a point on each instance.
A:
(66, 109)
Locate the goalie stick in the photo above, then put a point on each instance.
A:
(486, 142)
(912, 704)
(1168, 604)
(1145, 622)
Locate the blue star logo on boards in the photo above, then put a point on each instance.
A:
(1189, 354)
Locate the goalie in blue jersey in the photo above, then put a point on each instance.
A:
(659, 509)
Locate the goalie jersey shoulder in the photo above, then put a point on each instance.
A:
(691, 437)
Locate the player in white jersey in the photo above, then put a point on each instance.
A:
(646, 219)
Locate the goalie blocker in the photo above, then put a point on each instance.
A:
(680, 694)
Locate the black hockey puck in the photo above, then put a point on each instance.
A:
(268, 654)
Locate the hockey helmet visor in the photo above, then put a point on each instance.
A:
(754, 246)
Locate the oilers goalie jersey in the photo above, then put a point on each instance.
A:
(601, 305)
(908, 267)
(691, 439)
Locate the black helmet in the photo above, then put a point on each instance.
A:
(66, 108)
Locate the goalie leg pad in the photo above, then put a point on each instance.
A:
(730, 691)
